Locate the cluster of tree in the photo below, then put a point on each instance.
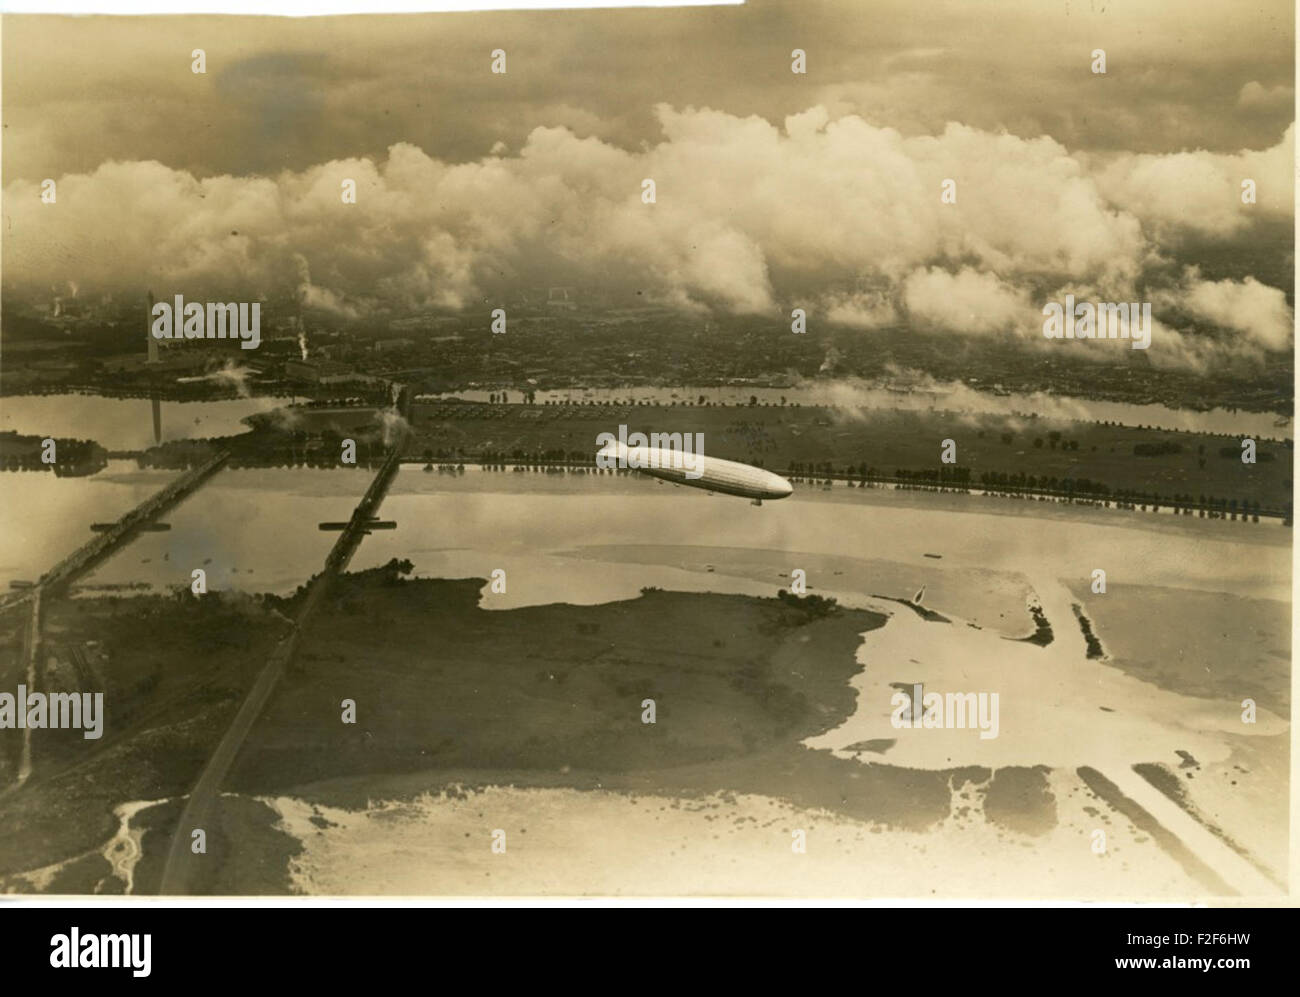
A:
(814, 605)
(945, 474)
(392, 572)
(72, 458)
(956, 476)
(1095, 649)
(353, 401)
(1050, 483)
(1053, 440)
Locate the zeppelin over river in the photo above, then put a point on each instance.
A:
(687, 465)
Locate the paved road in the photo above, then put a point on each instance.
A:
(200, 806)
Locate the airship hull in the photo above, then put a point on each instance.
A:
(710, 473)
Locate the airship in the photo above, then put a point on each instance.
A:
(698, 471)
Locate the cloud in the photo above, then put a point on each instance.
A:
(738, 199)
(1202, 191)
(861, 310)
(1256, 311)
(1256, 95)
(293, 92)
(751, 217)
(968, 302)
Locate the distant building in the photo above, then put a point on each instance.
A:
(384, 345)
(323, 372)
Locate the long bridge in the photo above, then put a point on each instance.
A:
(200, 806)
(109, 537)
(126, 528)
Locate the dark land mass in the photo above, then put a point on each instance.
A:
(174, 671)
(1018, 798)
(453, 685)
(929, 615)
(450, 696)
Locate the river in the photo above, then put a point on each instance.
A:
(588, 538)
(127, 423)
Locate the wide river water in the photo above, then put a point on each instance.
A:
(256, 530)
(586, 538)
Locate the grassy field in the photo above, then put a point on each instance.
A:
(173, 673)
(440, 683)
(805, 440)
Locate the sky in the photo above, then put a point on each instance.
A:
(773, 189)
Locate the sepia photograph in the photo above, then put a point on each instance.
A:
(802, 450)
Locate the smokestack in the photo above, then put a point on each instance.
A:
(148, 334)
(302, 326)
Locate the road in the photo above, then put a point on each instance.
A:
(83, 559)
(199, 811)
(32, 649)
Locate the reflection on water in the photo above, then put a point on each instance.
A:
(256, 530)
(128, 423)
(138, 423)
(596, 538)
(456, 527)
(253, 530)
(46, 517)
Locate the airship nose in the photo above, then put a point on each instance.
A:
(783, 487)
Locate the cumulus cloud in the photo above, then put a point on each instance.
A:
(861, 310)
(1202, 191)
(1256, 311)
(736, 196)
(750, 217)
(968, 301)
